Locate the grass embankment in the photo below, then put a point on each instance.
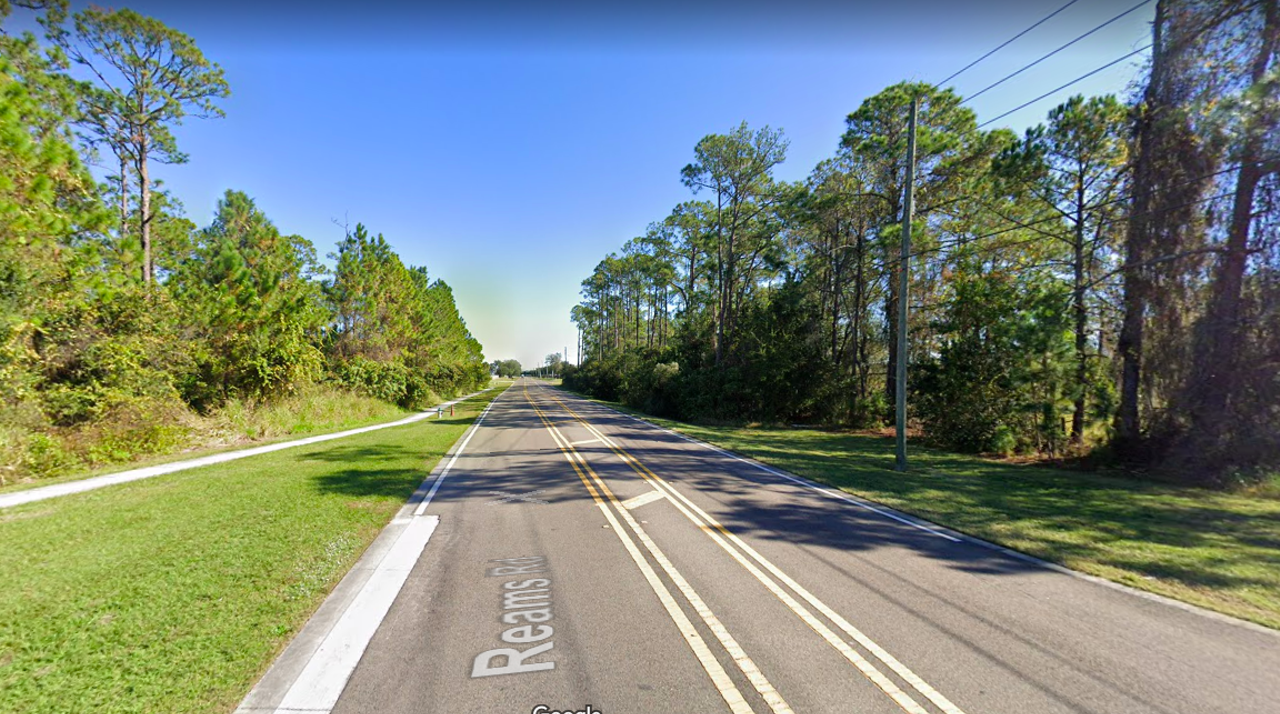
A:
(173, 594)
(1213, 549)
(319, 409)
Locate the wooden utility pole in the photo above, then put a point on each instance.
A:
(900, 461)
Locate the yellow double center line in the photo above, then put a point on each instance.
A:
(727, 540)
(603, 498)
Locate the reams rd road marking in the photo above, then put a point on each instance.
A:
(715, 530)
(603, 497)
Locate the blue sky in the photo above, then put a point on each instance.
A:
(509, 146)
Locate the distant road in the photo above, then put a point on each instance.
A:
(581, 560)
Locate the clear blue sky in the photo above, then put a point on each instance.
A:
(508, 146)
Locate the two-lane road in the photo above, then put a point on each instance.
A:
(585, 558)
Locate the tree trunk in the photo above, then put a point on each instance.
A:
(1138, 239)
(144, 220)
(837, 271)
(1082, 317)
(891, 321)
(720, 294)
(1222, 338)
(859, 342)
(124, 199)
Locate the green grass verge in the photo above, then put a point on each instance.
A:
(173, 594)
(317, 410)
(1217, 550)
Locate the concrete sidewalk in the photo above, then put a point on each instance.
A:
(18, 498)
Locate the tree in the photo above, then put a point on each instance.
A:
(553, 362)
(508, 368)
(393, 332)
(1075, 167)
(150, 77)
(949, 152)
(1255, 148)
(251, 294)
(737, 167)
(985, 391)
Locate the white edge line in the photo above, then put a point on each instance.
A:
(802, 481)
(426, 500)
(325, 676)
(957, 536)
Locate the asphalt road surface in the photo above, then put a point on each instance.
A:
(586, 561)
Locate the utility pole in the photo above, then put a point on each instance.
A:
(900, 461)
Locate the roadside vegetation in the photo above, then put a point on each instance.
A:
(1103, 285)
(174, 594)
(128, 331)
(1213, 549)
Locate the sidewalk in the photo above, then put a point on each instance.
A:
(89, 484)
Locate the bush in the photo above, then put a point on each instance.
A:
(387, 381)
(312, 408)
(46, 456)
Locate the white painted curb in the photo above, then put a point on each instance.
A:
(311, 673)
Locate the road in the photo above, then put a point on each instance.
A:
(583, 558)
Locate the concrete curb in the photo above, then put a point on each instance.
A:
(288, 667)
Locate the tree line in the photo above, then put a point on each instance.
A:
(1105, 283)
(119, 317)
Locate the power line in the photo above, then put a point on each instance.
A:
(1026, 67)
(1006, 43)
(1119, 199)
(1025, 241)
(1052, 92)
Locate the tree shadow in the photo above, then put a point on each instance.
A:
(1197, 538)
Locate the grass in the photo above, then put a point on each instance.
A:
(314, 410)
(318, 410)
(1217, 550)
(173, 594)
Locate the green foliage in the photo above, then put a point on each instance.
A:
(388, 381)
(256, 309)
(149, 77)
(995, 385)
(396, 334)
(98, 367)
(508, 368)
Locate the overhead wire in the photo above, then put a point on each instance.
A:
(1028, 66)
(1096, 281)
(1007, 42)
(1118, 199)
(1052, 92)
